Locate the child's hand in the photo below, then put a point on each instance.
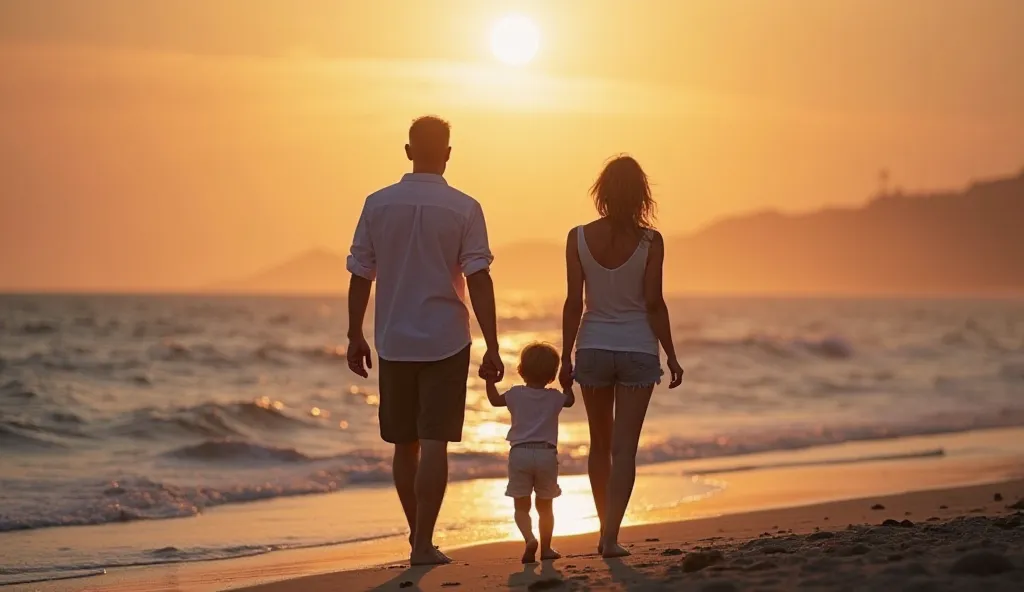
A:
(570, 397)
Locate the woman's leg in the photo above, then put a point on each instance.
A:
(630, 409)
(600, 404)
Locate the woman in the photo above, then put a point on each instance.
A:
(617, 260)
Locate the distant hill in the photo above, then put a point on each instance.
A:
(956, 242)
(318, 271)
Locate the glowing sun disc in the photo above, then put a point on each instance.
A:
(515, 40)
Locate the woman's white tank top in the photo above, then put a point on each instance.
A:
(615, 314)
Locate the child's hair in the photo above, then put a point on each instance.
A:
(538, 363)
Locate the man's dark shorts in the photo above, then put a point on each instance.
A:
(423, 400)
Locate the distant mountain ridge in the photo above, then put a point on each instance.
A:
(955, 242)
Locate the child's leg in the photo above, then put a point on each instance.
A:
(525, 525)
(546, 518)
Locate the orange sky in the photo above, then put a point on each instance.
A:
(163, 145)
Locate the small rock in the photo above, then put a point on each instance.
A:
(406, 584)
(981, 563)
(774, 550)
(545, 584)
(997, 497)
(671, 552)
(891, 522)
(908, 513)
(820, 536)
(1017, 506)
(943, 507)
(878, 507)
(858, 549)
(934, 519)
(698, 561)
(450, 584)
(1008, 522)
(907, 524)
(652, 540)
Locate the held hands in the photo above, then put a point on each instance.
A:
(492, 369)
(676, 371)
(565, 374)
(359, 355)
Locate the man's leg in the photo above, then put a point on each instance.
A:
(397, 417)
(431, 482)
(441, 409)
(403, 469)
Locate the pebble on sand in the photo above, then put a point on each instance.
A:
(878, 507)
(981, 563)
(698, 561)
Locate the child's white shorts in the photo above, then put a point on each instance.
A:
(533, 469)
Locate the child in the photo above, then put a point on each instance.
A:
(533, 459)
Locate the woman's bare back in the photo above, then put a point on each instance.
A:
(609, 247)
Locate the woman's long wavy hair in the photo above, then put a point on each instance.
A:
(623, 196)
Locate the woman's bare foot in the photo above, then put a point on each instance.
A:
(547, 554)
(610, 550)
(530, 553)
(430, 557)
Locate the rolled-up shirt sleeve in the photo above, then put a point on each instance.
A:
(476, 253)
(362, 259)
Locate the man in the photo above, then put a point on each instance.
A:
(418, 238)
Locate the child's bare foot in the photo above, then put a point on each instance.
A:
(610, 550)
(432, 556)
(549, 553)
(530, 553)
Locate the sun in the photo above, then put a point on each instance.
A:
(515, 40)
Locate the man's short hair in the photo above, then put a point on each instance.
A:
(429, 133)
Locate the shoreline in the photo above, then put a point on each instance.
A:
(669, 555)
(784, 482)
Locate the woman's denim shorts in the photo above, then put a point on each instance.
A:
(598, 368)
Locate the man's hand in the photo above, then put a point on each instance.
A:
(492, 369)
(359, 355)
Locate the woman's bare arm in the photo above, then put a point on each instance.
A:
(572, 312)
(657, 310)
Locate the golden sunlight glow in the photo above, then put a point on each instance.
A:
(515, 40)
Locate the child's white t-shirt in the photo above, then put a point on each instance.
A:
(534, 414)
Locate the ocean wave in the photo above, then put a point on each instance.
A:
(139, 498)
(235, 451)
(836, 348)
(208, 420)
(164, 556)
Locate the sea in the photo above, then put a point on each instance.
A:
(125, 408)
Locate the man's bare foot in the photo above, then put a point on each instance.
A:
(430, 557)
(530, 553)
(610, 550)
(547, 554)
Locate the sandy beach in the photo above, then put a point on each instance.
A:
(968, 538)
(765, 510)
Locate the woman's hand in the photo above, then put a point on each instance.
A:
(677, 372)
(565, 377)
